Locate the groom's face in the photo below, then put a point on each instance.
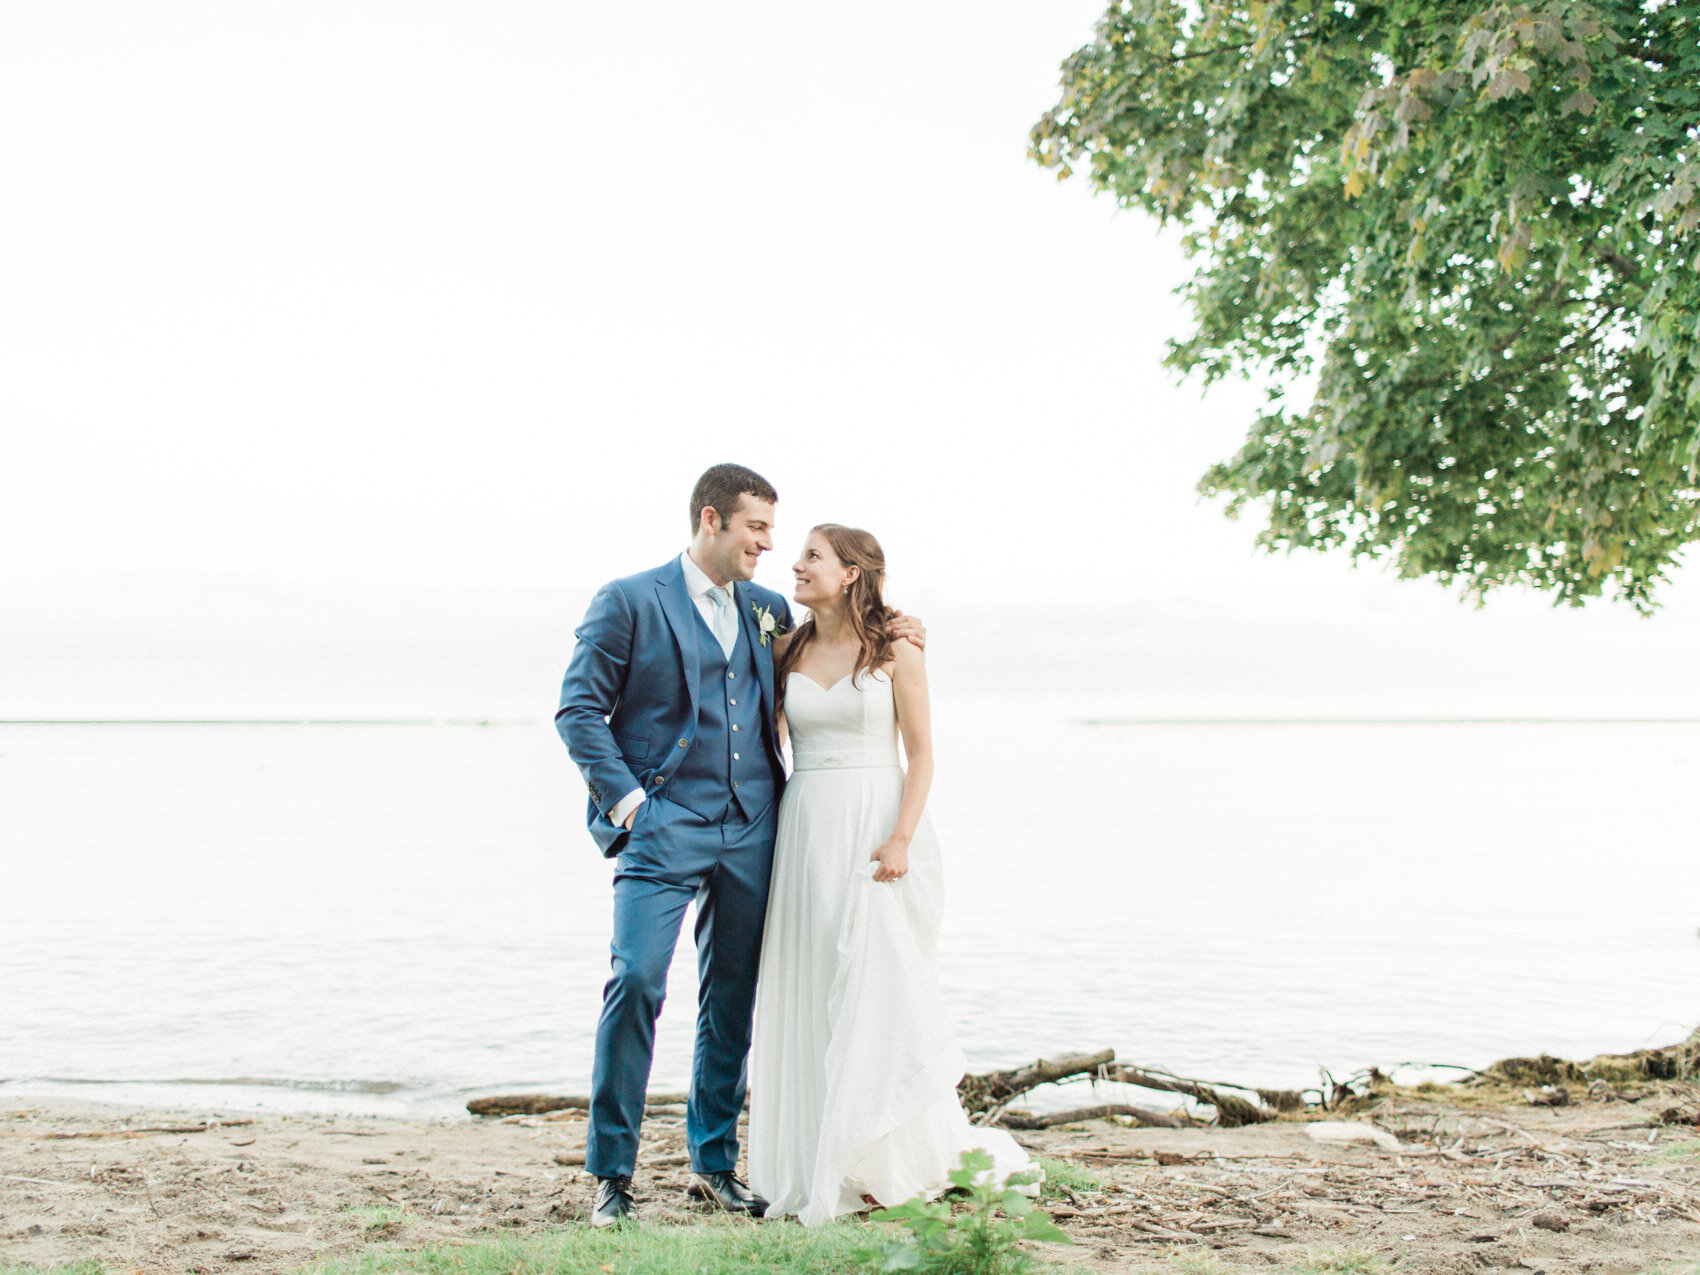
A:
(736, 546)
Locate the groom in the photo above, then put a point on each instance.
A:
(668, 711)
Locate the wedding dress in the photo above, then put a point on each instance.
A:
(854, 1065)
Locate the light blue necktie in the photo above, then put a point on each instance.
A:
(725, 618)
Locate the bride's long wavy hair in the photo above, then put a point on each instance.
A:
(864, 605)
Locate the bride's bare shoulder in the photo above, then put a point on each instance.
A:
(906, 661)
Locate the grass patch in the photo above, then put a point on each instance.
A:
(1689, 1150)
(85, 1267)
(376, 1217)
(1354, 1261)
(1060, 1174)
(712, 1246)
(718, 1246)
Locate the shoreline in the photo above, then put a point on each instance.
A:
(1478, 1180)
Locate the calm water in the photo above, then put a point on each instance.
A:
(391, 918)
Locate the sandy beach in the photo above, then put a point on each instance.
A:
(1603, 1186)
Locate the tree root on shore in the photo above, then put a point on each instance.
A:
(996, 1088)
(988, 1096)
(1145, 1116)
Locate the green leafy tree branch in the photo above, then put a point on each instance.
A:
(1470, 227)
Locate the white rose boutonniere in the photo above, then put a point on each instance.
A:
(765, 623)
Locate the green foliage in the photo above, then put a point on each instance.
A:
(1470, 225)
(983, 1239)
(87, 1267)
(376, 1217)
(1061, 1176)
(713, 1246)
(1689, 1150)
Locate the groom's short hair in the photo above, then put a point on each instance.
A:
(723, 487)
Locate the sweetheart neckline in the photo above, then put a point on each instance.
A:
(823, 689)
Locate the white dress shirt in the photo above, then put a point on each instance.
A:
(697, 584)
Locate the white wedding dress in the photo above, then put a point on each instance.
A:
(854, 1065)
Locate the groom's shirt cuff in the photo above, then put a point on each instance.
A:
(630, 802)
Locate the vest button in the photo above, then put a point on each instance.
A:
(734, 756)
(734, 725)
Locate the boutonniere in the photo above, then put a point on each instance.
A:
(765, 623)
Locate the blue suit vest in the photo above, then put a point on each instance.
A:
(726, 763)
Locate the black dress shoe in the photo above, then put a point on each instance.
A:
(613, 1200)
(724, 1189)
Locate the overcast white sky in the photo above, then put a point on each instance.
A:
(413, 297)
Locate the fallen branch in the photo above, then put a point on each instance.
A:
(981, 1093)
(159, 1128)
(1026, 1120)
(1231, 1111)
(14, 1177)
(537, 1104)
(1162, 1232)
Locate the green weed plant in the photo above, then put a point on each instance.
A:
(376, 1217)
(983, 1237)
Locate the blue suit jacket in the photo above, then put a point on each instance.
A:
(631, 689)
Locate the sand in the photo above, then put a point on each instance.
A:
(1601, 1186)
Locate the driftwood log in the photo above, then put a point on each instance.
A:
(1232, 1111)
(1027, 1120)
(996, 1088)
(537, 1104)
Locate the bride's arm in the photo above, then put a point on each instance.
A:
(914, 720)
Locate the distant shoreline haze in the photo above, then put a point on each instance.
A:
(187, 650)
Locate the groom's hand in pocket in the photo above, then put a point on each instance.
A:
(902, 628)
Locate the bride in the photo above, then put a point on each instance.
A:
(854, 1066)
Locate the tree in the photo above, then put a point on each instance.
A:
(1469, 226)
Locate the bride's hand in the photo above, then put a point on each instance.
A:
(893, 858)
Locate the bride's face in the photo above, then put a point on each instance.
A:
(820, 576)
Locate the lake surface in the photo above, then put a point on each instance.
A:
(389, 919)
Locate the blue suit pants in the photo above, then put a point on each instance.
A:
(671, 857)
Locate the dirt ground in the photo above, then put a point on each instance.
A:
(1600, 1186)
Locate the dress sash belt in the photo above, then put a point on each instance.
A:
(845, 759)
